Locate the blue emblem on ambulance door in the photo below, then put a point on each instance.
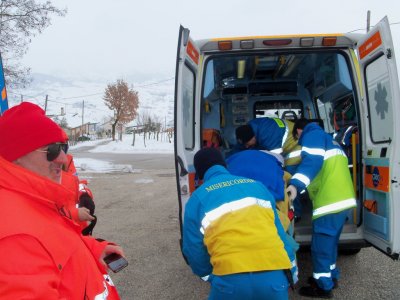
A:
(382, 105)
(376, 177)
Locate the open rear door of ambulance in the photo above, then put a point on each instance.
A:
(381, 156)
(187, 62)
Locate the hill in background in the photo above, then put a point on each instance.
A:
(84, 96)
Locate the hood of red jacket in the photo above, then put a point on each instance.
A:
(24, 181)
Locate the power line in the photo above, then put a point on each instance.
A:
(102, 93)
(82, 96)
(395, 23)
(155, 83)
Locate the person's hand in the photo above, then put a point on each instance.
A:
(292, 192)
(84, 214)
(108, 250)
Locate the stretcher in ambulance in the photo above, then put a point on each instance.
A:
(347, 81)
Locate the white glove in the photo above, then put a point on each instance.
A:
(292, 192)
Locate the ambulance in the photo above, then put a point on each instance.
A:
(347, 81)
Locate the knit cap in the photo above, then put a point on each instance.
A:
(206, 158)
(25, 128)
(244, 134)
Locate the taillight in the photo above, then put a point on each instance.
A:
(280, 42)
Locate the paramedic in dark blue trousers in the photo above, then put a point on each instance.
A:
(324, 172)
(232, 236)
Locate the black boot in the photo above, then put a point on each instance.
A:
(314, 291)
(311, 280)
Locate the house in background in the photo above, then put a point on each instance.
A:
(88, 130)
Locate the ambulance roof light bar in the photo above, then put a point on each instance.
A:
(304, 42)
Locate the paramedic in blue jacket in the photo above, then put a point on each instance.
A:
(272, 134)
(260, 165)
(324, 172)
(232, 236)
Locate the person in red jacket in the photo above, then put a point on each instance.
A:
(69, 167)
(43, 253)
(82, 208)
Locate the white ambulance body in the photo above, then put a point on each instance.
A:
(349, 81)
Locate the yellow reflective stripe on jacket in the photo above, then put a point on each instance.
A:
(218, 212)
(338, 206)
(236, 247)
(280, 122)
(290, 143)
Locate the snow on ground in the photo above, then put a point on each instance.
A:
(141, 146)
(125, 146)
(91, 165)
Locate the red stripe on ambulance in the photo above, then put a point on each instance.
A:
(193, 53)
(370, 45)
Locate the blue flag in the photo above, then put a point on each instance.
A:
(3, 91)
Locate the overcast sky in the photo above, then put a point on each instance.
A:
(119, 38)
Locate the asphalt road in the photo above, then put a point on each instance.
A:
(139, 211)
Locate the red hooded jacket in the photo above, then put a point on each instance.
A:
(43, 254)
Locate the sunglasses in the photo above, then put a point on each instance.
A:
(54, 150)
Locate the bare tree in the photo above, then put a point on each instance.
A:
(123, 100)
(156, 126)
(20, 20)
(142, 122)
(148, 124)
(63, 123)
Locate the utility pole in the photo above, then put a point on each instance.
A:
(45, 104)
(83, 111)
(22, 98)
(368, 20)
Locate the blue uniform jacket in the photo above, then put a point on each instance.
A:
(208, 231)
(260, 166)
(324, 172)
(315, 142)
(269, 133)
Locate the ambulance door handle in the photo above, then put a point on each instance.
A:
(183, 170)
(389, 53)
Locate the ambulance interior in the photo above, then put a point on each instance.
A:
(314, 85)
